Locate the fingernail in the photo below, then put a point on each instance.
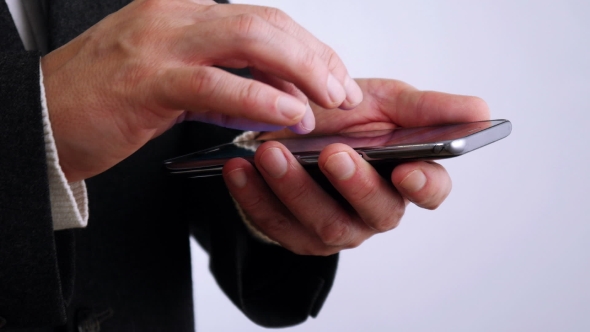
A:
(354, 94)
(341, 166)
(307, 123)
(290, 107)
(238, 178)
(273, 161)
(414, 181)
(335, 90)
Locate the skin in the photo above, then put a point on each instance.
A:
(288, 206)
(150, 65)
(153, 64)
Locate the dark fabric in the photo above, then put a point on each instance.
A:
(9, 39)
(68, 18)
(36, 15)
(271, 285)
(130, 269)
(30, 287)
(134, 257)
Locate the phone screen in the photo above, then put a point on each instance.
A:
(389, 137)
(394, 144)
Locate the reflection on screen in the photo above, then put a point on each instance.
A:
(398, 136)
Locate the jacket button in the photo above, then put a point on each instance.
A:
(2, 322)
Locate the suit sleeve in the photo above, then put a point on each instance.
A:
(31, 286)
(272, 286)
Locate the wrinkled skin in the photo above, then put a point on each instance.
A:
(150, 65)
(154, 63)
(286, 204)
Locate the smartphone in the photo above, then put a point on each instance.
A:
(383, 146)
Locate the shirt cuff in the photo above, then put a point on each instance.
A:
(69, 201)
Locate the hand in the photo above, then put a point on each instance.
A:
(286, 204)
(152, 64)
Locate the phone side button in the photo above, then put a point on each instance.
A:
(307, 160)
(438, 148)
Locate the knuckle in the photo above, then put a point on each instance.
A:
(294, 91)
(331, 58)
(273, 225)
(365, 192)
(307, 62)
(282, 21)
(297, 193)
(304, 246)
(390, 218)
(250, 203)
(153, 6)
(250, 95)
(269, 223)
(208, 12)
(203, 81)
(355, 244)
(149, 3)
(335, 231)
(276, 16)
(248, 26)
(386, 224)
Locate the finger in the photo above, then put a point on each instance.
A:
(410, 107)
(307, 201)
(426, 184)
(223, 120)
(252, 39)
(266, 212)
(249, 38)
(376, 202)
(307, 123)
(279, 19)
(278, 83)
(204, 2)
(209, 89)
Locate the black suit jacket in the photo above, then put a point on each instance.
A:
(129, 270)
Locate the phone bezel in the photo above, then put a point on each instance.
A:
(187, 165)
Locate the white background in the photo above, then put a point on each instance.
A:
(510, 248)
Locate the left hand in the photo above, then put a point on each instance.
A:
(286, 204)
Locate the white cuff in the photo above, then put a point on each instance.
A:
(251, 228)
(69, 201)
(246, 136)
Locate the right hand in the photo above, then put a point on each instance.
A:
(150, 65)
